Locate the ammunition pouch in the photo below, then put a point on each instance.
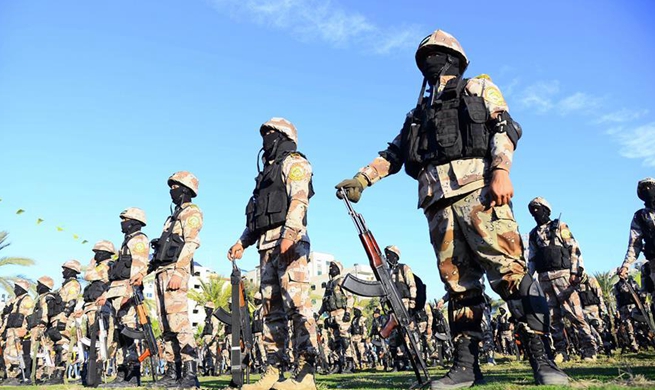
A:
(588, 298)
(53, 334)
(15, 320)
(34, 319)
(552, 258)
(61, 326)
(257, 326)
(55, 305)
(403, 289)
(120, 270)
(421, 316)
(167, 250)
(356, 328)
(94, 290)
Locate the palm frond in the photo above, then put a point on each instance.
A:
(22, 261)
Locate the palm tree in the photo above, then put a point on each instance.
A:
(606, 280)
(7, 282)
(216, 289)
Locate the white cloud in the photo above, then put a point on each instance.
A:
(621, 116)
(540, 96)
(308, 19)
(638, 143)
(579, 101)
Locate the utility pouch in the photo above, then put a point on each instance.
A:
(15, 320)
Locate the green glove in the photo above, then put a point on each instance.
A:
(353, 187)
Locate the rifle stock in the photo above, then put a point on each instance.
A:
(143, 319)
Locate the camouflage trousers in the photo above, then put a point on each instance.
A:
(124, 315)
(469, 240)
(258, 346)
(596, 324)
(507, 343)
(285, 292)
(625, 313)
(172, 309)
(564, 302)
(341, 330)
(64, 345)
(358, 348)
(16, 347)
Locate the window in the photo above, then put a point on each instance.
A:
(195, 311)
(319, 273)
(196, 286)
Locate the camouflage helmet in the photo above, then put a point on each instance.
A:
(443, 42)
(73, 265)
(134, 213)
(539, 201)
(185, 178)
(283, 126)
(642, 183)
(337, 264)
(210, 304)
(393, 249)
(104, 245)
(46, 281)
(24, 284)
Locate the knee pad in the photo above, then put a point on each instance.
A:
(465, 314)
(529, 305)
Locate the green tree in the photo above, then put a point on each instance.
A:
(217, 289)
(7, 282)
(606, 280)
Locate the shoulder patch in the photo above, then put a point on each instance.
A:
(492, 95)
(194, 221)
(297, 172)
(566, 233)
(140, 247)
(483, 76)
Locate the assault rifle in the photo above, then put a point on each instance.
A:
(385, 288)
(640, 305)
(239, 319)
(146, 333)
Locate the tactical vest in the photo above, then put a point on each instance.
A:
(377, 324)
(588, 298)
(624, 297)
(53, 301)
(169, 245)
(94, 290)
(503, 325)
(647, 226)
(258, 325)
(122, 268)
(356, 328)
(422, 316)
(335, 298)
(268, 206)
(401, 285)
(15, 318)
(453, 128)
(208, 330)
(551, 257)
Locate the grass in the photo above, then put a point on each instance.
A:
(617, 372)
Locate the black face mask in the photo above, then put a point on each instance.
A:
(18, 291)
(208, 311)
(68, 273)
(130, 226)
(274, 144)
(334, 271)
(41, 289)
(180, 195)
(540, 214)
(392, 259)
(102, 256)
(439, 64)
(257, 302)
(647, 194)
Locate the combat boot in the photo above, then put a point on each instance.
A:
(267, 381)
(462, 373)
(544, 370)
(169, 379)
(304, 380)
(190, 378)
(477, 372)
(57, 378)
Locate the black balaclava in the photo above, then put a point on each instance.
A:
(181, 194)
(102, 256)
(129, 226)
(392, 258)
(68, 273)
(274, 144)
(334, 270)
(257, 302)
(18, 290)
(540, 213)
(646, 192)
(437, 64)
(42, 288)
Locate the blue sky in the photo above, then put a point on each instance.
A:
(101, 101)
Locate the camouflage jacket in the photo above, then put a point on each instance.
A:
(456, 177)
(296, 174)
(187, 226)
(636, 241)
(541, 236)
(138, 246)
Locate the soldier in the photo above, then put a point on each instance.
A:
(172, 263)
(402, 277)
(591, 298)
(556, 257)
(277, 220)
(258, 331)
(424, 323)
(380, 345)
(505, 331)
(94, 295)
(625, 304)
(642, 230)
(62, 323)
(129, 269)
(338, 302)
(38, 321)
(209, 340)
(458, 143)
(487, 329)
(14, 332)
(357, 330)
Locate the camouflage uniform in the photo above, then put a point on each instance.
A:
(172, 305)
(625, 305)
(358, 339)
(402, 274)
(17, 341)
(470, 237)
(337, 302)
(505, 334)
(258, 332)
(591, 298)
(209, 339)
(97, 273)
(563, 299)
(39, 320)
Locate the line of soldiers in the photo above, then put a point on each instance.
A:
(37, 334)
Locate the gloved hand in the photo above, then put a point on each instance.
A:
(353, 187)
(346, 317)
(623, 272)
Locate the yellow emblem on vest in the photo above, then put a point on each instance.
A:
(194, 221)
(566, 234)
(492, 95)
(297, 172)
(140, 247)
